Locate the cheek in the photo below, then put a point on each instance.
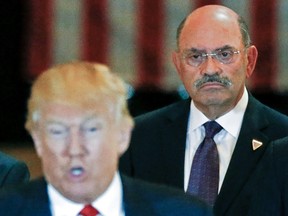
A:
(50, 156)
(239, 75)
(52, 164)
(52, 150)
(103, 164)
(103, 151)
(188, 79)
(103, 148)
(187, 74)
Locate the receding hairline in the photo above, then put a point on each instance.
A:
(243, 27)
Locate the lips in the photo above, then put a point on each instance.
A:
(77, 172)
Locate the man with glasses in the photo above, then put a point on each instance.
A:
(214, 57)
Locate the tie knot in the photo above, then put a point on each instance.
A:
(211, 129)
(88, 210)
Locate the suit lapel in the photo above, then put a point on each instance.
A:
(244, 159)
(173, 141)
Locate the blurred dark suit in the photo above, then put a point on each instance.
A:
(271, 190)
(140, 199)
(12, 171)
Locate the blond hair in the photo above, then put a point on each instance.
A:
(79, 84)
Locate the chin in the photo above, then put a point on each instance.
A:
(221, 102)
(80, 197)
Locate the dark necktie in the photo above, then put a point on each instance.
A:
(88, 210)
(204, 175)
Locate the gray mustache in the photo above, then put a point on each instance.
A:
(212, 78)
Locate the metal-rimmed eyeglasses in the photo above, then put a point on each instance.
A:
(195, 57)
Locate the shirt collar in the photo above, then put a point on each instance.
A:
(109, 203)
(197, 118)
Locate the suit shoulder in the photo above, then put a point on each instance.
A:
(9, 163)
(12, 171)
(275, 113)
(268, 111)
(7, 159)
(164, 112)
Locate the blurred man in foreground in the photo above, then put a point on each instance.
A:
(79, 122)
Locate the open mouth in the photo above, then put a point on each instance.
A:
(77, 171)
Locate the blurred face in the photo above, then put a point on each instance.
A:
(214, 80)
(79, 149)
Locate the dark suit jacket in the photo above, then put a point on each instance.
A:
(140, 199)
(12, 171)
(271, 191)
(157, 150)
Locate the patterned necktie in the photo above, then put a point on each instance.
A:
(204, 175)
(88, 210)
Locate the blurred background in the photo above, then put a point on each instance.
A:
(135, 38)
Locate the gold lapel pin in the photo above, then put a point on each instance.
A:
(256, 144)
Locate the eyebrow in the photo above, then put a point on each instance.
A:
(224, 48)
(52, 121)
(191, 50)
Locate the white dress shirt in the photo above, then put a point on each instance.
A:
(110, 203)
(225, 140)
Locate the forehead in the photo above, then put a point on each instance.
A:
(210, 31)
(73, 114)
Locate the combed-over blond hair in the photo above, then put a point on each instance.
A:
(80, 84)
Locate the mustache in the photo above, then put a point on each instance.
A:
(212, 78)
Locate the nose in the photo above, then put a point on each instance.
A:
(76, 147)
(210, 66)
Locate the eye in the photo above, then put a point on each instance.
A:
(196, 56)
(57, 131)
(90, 131)
(91, 128)
(225, 54)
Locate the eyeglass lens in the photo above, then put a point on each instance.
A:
(225, 56)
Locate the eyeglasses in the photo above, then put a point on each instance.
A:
(195, 57)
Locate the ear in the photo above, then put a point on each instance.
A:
(252, 54)
(37, 143)
(124, 138)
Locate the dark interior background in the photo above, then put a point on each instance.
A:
(14, 88)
